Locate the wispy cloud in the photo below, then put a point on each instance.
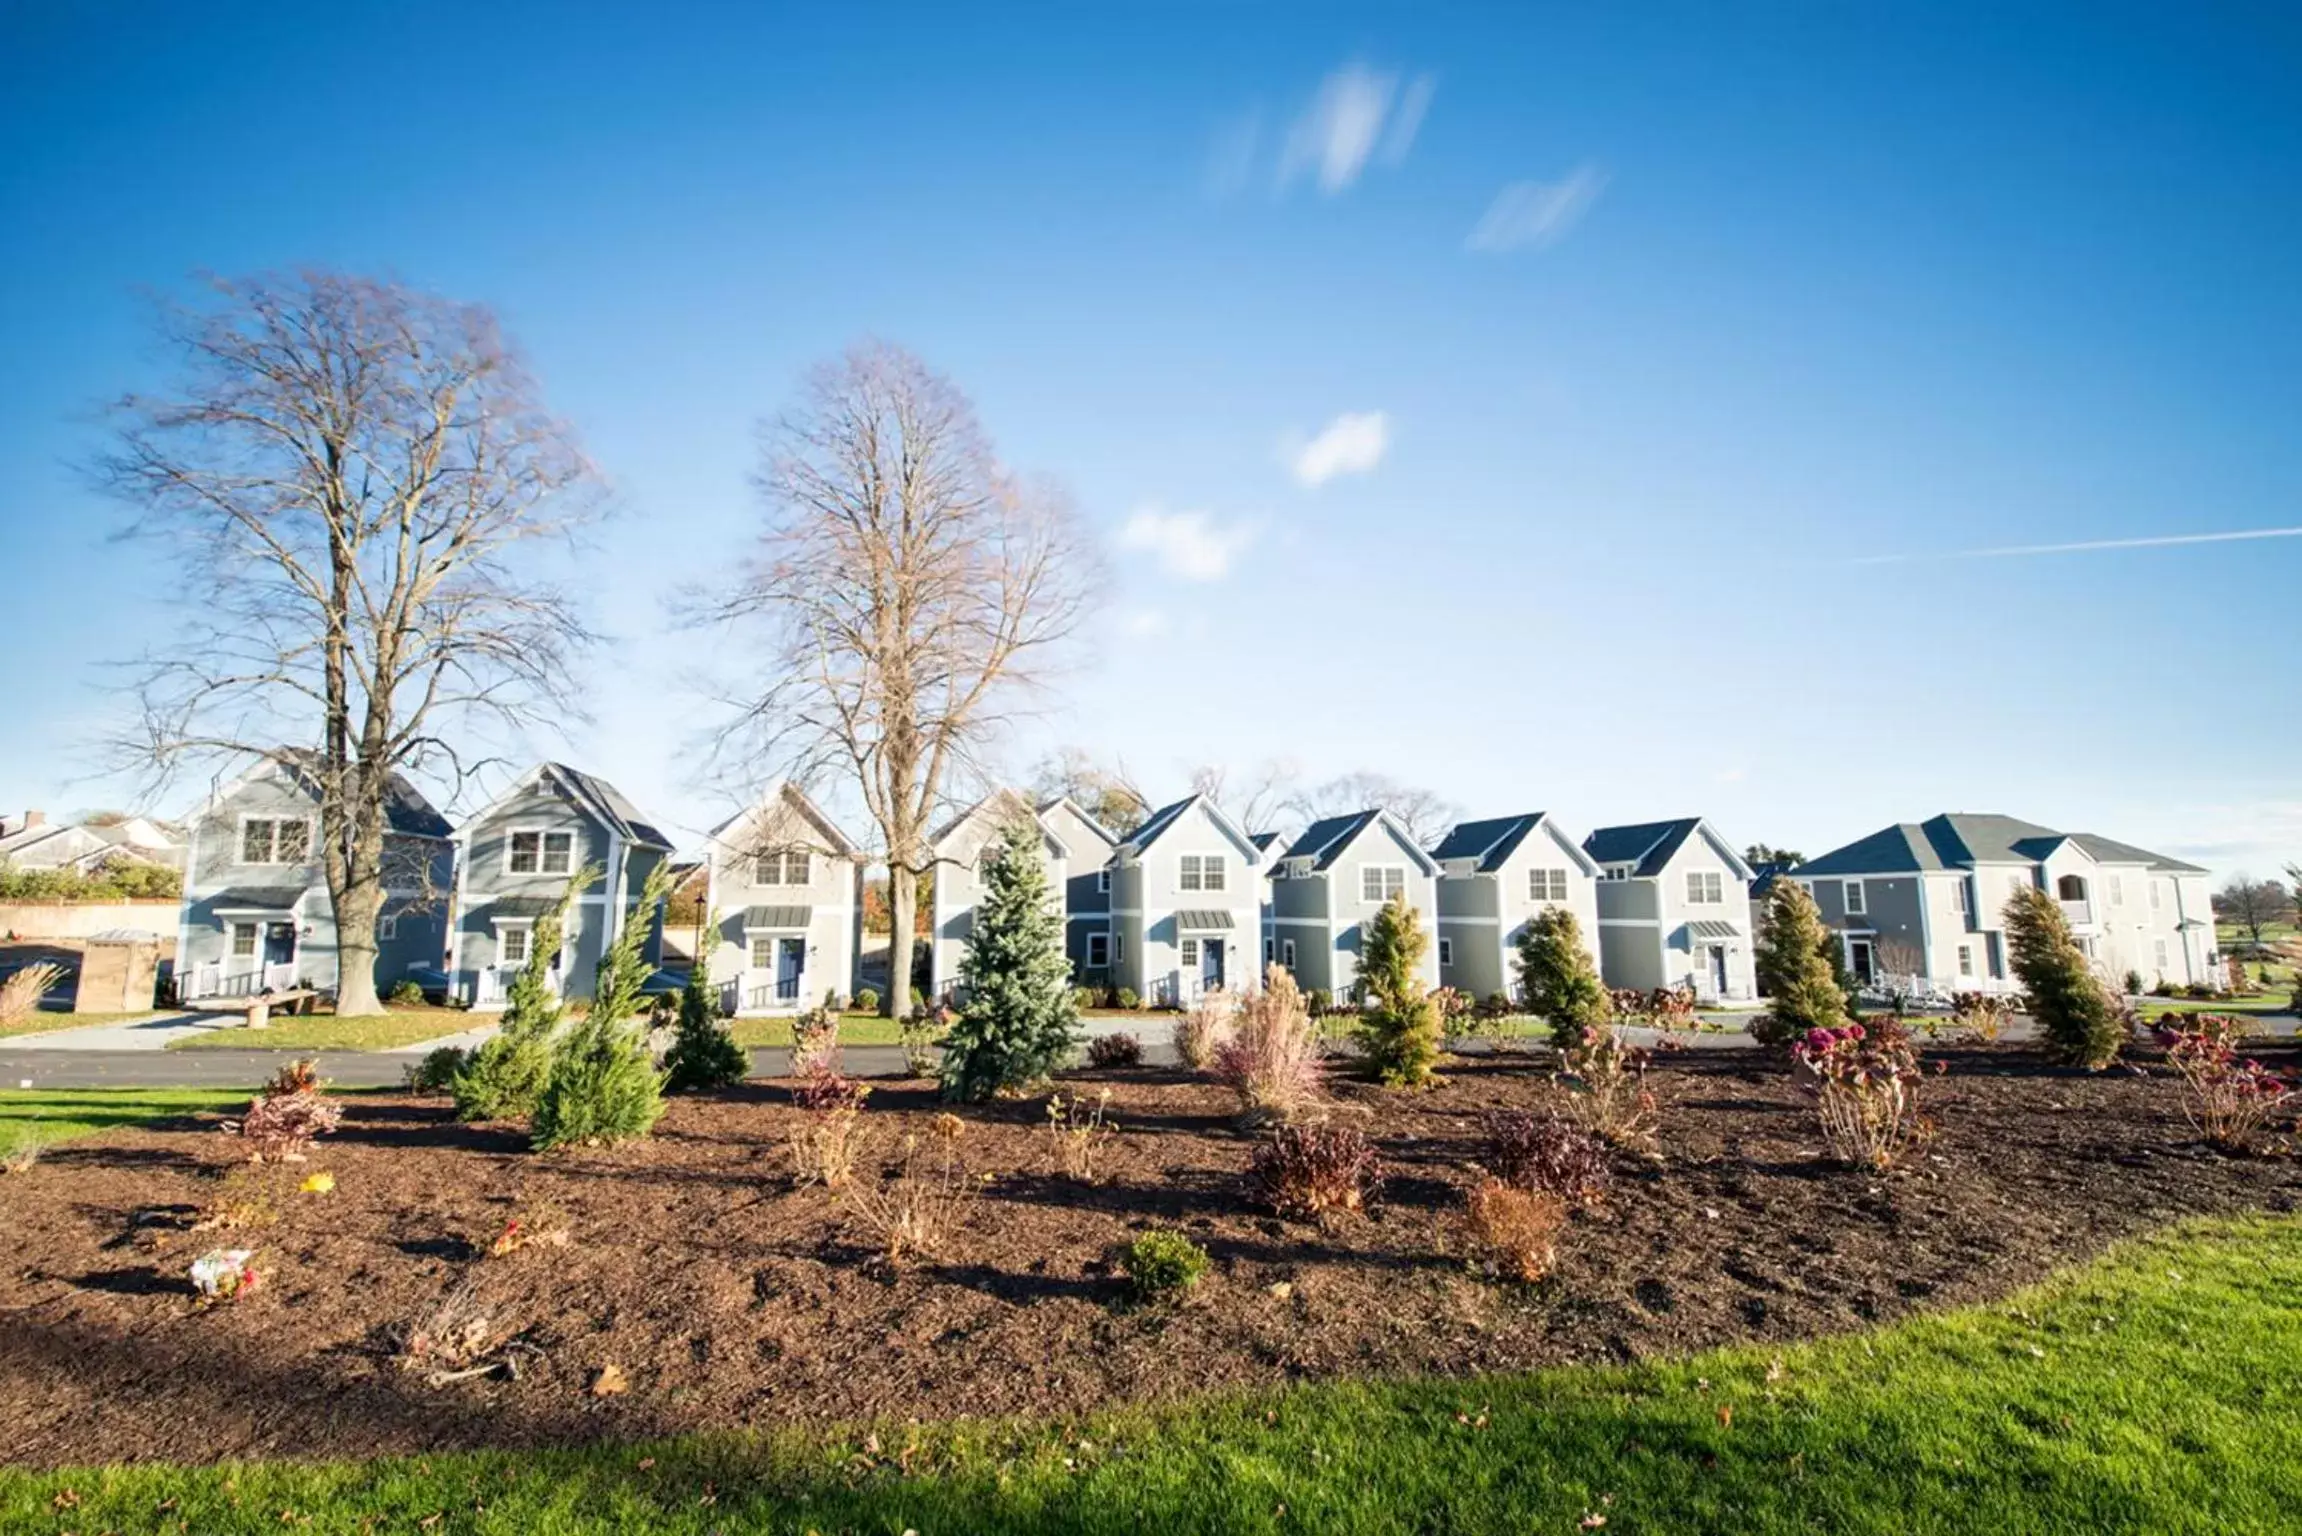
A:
(2085, 546)
(1352, 444)
(1143, 623)
(1191, 545)
(1535, 214)
(1359, 114)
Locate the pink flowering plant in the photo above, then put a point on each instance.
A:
(1606, 1078)
(1866, 1082)
(2229, 1098)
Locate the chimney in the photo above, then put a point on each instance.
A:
(35, 819)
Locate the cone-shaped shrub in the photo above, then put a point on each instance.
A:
(703, 1052)
(603, 1086)
(1557, 979)
(504, 1077)
(1400, 1033)
(1018, 1021)
(1792, 959)
(2075, 1015)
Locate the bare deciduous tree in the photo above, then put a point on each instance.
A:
(912, 594)
(1258, 800)
(347, 468)
(1424, 812)
(1108, 794)
(2252, 904)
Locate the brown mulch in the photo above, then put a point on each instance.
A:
(726, 1297)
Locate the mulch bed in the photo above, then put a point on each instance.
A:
(727, 1297)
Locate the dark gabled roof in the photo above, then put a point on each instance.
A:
(1649, 845)
(607, 802)
(1155, 823)
(405, 808)
(1962, 839)
(777, 917)
(1323, 839)
(1262, 840)
(1766, 872)
(257, 898)
(1491, 842)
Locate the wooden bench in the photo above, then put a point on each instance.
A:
(260, 1007)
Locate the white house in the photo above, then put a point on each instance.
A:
(1496, 876)
(785, 886)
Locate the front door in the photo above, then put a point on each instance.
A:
(1858, 958)
(1210, 964)
(1718, 969)
(790, 956)
(279, 955)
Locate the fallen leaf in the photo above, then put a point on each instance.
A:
(320, 1183)
(610, 1381)
(1726, 1415)
(1592, 1520)
(1283, 1290)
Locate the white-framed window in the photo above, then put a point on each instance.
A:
(1118, 947)
(1103, 881)
(2158, 952)
(512, 944)
(2118, 890)
(275, 839)
(1963, 897)
(1190, 953)
(387, 927)
(1200, 872)
(1446, 951)
(1705, 887)
(1966, 960)
(243, 941)
(1381, 882)
(533, 851)
(1546, 885)
(1287, 953)
(1854, 906)
(762, 951)
(1617, 871)
(1098, 950)
(786, 868)
(1270, 950)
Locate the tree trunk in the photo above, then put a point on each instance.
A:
(356, 892)
(902, 889)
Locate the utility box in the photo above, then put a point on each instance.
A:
(119, 972)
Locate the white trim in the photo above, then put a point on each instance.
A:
(1853, 901)
(1382, 872)
(1631, 922)
(1301, 922)
(276, 819)
(1467, 917)
(541, 832)
(1093, 963)
(387, 927)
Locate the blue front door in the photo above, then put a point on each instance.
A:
(1211, 963)
(790, 955)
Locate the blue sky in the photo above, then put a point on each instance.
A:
(1671, 320)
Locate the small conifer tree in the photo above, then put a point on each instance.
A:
(504, 1077)
(1557, 980)
(1793, 962)
(703, 1051)
(1018, 1020)
(1400, 1032)
(604, 1087)
(2075, 1014)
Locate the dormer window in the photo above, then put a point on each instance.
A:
(787, 868)
(540, 853)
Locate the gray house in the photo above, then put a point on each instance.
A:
(1920, 906)
(1496, 876)
(786, 886)
(1270, 847)
(256, 915)
(1336, 876)
(513, 863)
(959, 847)
(1087, 845)
(1674, 909)
(1186, 911)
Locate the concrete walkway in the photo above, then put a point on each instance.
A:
(152, 1034)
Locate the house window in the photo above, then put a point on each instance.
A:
(1546, 885)
(1098, 950)
(243, 941)
(1446, 951)
(512, 945)
(1854, 904)
(1381, 882)
(1270, 948)
(2158, 951)
(2118, 890)
(1287, 953)
(1704, 887)
(1963, 897)
(388, 927)
(2154, 895)
(1616, 872)
(1103, 882)
(1118, 947)
(541, 853)
(781, 869)
(763, 951)
(1966, 960)
(1201, 872)
(1190, 953)
(275, 840)
(2070, 888)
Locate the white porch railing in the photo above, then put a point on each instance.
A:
(494, 986)
(211, 979)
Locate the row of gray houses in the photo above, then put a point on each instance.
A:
(1185, 902)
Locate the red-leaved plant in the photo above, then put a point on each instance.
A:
(1315, 1171)
(1271, 1059)
(1546, 1153)
(2227, 1097)
(1866, 1081)
(282, 1124)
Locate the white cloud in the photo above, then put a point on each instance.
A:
(1191, 545)
(1143, 623)
(1345, 125)
(1537, 213)
(1352, 444)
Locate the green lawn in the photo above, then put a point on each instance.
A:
(45, 1020)
(2158, 1391)
(56, 1114)
(400, 1024)
(854, 1029)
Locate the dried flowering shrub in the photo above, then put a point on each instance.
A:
(1200, 1031)
(828, 1138)
(1272, 1059)
(1547, 1153)
(1607, 1080)
(913, 1208)
(282, 1124)
(1079, 1129)
(1109, 1052)
(1515, 1230)
(1315, 1171)
(2228, 1098)
(1866, 1085)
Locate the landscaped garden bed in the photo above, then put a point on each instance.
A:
(721, 1294)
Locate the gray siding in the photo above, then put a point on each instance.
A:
(831, 937)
